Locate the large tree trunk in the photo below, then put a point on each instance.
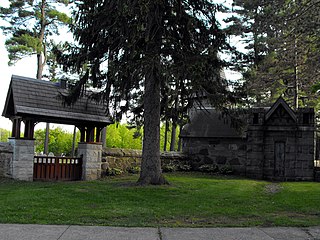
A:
(40, 66)
(151, 165)
(41, 61)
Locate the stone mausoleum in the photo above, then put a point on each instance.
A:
(278, 143)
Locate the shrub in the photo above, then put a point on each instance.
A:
(209, 168)
(134, 170)
(169, 168)
(226, 170)
(113, 171)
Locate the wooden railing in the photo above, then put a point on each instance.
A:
(48, 168)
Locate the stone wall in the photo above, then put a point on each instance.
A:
(220, 153)
(255, 155)
(298, 152)
(117, 161)
(6, 154)
(22, 161)
(92, 155)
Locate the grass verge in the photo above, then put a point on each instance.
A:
(192, 200)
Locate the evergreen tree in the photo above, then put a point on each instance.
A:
(31, 24)
(282, 39)
(146, 43)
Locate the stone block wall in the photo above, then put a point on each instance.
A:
(6, 155)
(21, 166)
(117, 161)
(91, 154)
(217, 152)
(306, 148)
(255, 155)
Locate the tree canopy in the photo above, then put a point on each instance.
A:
(30, 26)
(282, 39)
(137, 49)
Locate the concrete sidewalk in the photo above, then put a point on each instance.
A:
(53, 232)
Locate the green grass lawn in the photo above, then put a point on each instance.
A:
(192, 200)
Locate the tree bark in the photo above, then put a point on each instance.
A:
(165, 136)
(74, 141)
(296, 77)
(173, 136)
(40, 64)
(179, 144)
(151, 164)
(46, 141)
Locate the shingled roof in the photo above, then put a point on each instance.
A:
(208, 123)
(41, 100)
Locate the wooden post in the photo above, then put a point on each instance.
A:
(82, 133)
(104, 137)
(29, 129)
(90, 134)
(16, 128)
(98, 134)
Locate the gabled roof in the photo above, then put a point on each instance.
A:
(209, 123)
(41, 100)
(284, 104)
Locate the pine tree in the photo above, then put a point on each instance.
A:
(146, 43)
(31, 24)
(282, 40)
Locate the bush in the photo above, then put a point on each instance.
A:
(169, 168)
(209, 168)
(184, 167)
(113, 172)
(134, 170)
(227, 170)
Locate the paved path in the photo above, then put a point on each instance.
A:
(53, 232)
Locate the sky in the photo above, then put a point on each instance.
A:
(27, 68)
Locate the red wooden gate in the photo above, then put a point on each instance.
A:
(48, 168)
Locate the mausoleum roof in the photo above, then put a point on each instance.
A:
(208, 123)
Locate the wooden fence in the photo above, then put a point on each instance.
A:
(48, 168)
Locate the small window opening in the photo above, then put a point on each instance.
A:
(306, 118)
(255, 118)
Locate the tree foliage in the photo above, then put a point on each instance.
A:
(4, 135)
(282, 38)
(149, 46)
(60, 141)
(30, 26)
(120, 136)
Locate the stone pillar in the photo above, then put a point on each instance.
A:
(91, 155)
(22, 160)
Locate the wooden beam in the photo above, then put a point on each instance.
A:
(98, 134)
(16, 128)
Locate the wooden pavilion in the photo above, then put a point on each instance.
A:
(31, 101)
